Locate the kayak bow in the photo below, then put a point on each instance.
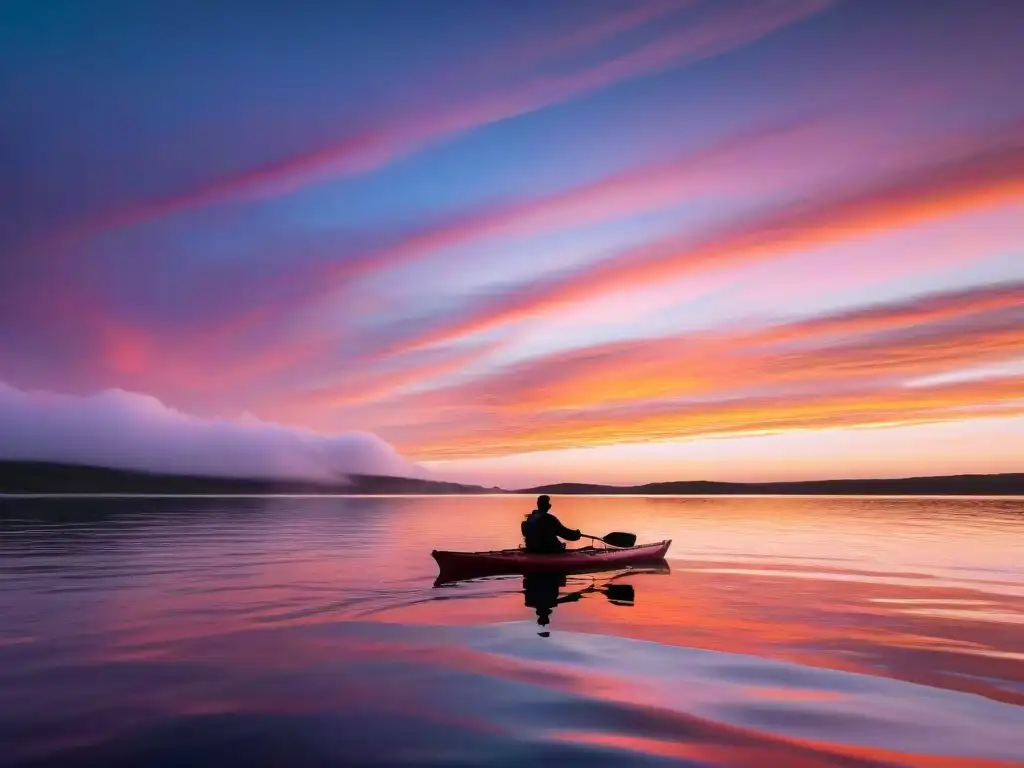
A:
(513, 561)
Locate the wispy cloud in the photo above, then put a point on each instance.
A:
(800, 374)
(818, 409)
(712, 34)
(720, 168)
(375, 383)
(879, 318)
(652, 187)
(529, 54)
(787, 237)
(253, 358)
(700, 364)
(947, 188)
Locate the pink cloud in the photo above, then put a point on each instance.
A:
(855, 365)
(949, 186)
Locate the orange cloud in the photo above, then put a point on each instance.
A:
(844, 369)
(868, 407)
(698, 364)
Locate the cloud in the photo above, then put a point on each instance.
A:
(932, 308)
(643, 189)
(724, 166)
(857, 407)
(553, 47)
(713, 34)
(947, 187)
(850, 367)
(127, 430)
(373, 384)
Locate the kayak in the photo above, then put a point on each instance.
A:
(519, 561)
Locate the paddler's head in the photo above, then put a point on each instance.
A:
(544, 503)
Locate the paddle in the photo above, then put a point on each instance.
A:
(615, 539)
(619, 594)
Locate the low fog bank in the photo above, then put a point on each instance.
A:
(127, 430)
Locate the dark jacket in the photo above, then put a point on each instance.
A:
(541, 530)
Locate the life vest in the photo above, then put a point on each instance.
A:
(540, 533)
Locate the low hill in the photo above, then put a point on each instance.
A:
(45, 477)
(1011, 484)
(35, 477)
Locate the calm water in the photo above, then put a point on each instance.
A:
(282, 631)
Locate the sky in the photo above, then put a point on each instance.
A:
(514, 243)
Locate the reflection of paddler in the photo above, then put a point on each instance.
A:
(541, 591)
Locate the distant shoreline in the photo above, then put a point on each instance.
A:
(45, 479)
(509, 494)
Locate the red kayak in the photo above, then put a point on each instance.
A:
(512, 561)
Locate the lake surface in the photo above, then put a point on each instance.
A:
(796, 632)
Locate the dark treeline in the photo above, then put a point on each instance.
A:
(948, 485)
(44, 477)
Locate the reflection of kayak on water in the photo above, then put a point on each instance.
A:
(543, 591)
(461, 565)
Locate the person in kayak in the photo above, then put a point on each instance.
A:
(541, 529)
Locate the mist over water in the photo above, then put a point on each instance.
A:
(129, 430)
(298, 631)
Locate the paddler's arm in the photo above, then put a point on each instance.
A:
(568, 534)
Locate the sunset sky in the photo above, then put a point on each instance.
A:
(515, 242)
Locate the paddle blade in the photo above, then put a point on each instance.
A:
(620, 539)
(620, 594)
